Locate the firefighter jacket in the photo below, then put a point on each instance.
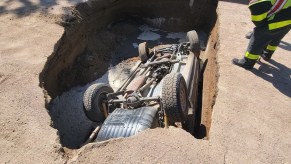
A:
(274, 14)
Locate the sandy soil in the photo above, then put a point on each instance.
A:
(250, 119)
(27, 38)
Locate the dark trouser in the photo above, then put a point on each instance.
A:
(265, 41)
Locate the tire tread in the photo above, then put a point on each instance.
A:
(94, 114)
(170, 96)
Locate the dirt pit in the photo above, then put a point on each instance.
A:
(100, 45)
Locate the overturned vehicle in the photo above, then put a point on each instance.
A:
(161, 91)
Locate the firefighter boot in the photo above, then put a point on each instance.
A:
(266, 56)
(244, 62)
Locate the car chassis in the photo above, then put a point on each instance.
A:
(161, 91)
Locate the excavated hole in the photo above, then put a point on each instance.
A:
(99, 45)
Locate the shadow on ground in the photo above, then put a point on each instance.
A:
(277, 74)
(285, 45)
(201, 131)
(68, 118)
(27, 7)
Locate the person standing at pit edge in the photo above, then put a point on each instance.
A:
(272, 19)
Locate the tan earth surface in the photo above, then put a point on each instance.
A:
(251, 119)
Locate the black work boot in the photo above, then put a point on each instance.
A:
(266, 57)
(244, 62)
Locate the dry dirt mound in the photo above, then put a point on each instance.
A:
(171, 145)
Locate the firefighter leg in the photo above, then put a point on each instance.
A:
(258, 42)
(272, 46)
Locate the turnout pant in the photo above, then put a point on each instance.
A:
(265, 41)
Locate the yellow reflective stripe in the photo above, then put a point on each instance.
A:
(251, 56)
(271, 48)
(260, 17)
(276, 25)
(287, 5)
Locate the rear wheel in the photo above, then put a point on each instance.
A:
(143, 52)
(174, 97)
(93, 100)
(192, 37)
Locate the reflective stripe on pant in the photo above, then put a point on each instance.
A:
(269, 51)
(251, 56)
(262, 37)
(271, 48)
(281, 24)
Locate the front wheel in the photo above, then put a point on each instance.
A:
(143, 52)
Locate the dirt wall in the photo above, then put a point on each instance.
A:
(210, 79)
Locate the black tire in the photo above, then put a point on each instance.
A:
(175, 97)
(143, 52)
(192, 37)
(93, 99)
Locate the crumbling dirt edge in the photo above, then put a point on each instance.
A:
(210, 80)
